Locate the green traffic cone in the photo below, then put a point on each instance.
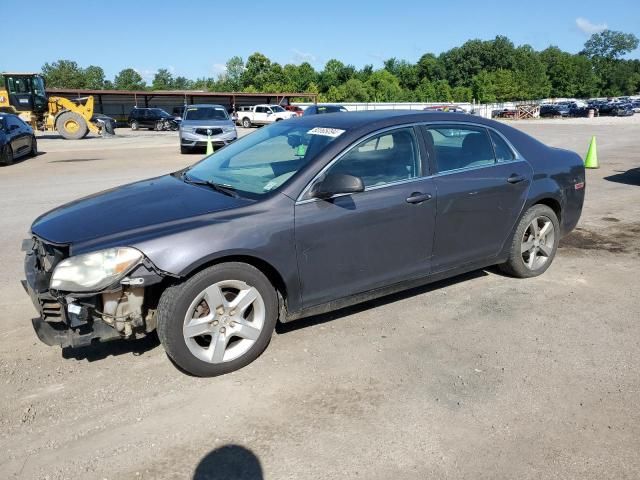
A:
(592, 155)
(209, 146)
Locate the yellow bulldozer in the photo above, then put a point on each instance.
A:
(24, 94)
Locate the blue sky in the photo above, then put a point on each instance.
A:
(195, 38)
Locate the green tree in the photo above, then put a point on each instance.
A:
(462, 94)
(505, 85)
(129, 79)
(256, 71)
(384, 87)
(483, 88)
(182, 83)
(162, 80)
(442, 91)
(94, 77)
(405, 72)
(355, 90)
(610, 44)
(63, 74)
(430, 67)
(235, 70)
(530, 75)
(426, 91)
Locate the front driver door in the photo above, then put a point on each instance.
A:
(482, 187)
(358, 242)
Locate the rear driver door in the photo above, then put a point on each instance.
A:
(482, 186)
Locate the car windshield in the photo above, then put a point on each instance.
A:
(159, 111)
(277, 108)
(331, 109)
(205, 113)
(264, 160)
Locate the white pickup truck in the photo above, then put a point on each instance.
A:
(262, 115)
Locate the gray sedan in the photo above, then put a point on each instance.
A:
(302, 217)
(203, 123)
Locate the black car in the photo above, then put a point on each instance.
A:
(616, 109)
(554, 110)
(16, 139)
(317, 109)
(151, 118)
(301, 217)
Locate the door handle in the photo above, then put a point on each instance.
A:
(417, 197)
(516, 178)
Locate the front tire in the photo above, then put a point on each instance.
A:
(246, 123)
(71, 125)
(219, 320)
(534, 243)
(6, 155)
(135, 125)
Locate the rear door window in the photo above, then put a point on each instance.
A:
(457, 147)
(503, 152)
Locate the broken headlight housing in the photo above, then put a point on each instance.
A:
(94, 271)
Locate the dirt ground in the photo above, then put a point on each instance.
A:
(481, 376)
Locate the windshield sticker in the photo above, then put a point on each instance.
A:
(327, 132)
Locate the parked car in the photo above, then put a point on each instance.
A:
(616, 109)
(262, 115)
(296, 219)
(109, 123)
(635, 106)
(178, 112)
(444, 108)
(202, 122)
(151, 118)
(554, 110)
(316, 109)
(16, 139)
(295, 109)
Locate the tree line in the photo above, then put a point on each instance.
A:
(481, 70)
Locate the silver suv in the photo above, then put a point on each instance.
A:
(201, 122)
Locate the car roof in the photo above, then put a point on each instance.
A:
(203, 105)
(381, 118)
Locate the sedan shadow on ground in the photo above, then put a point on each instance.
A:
(630, 177)
(394, 297)
(100, 351)
(229, 462)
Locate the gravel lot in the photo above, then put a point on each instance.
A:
(481, 376)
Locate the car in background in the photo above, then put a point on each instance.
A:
(262, 115)
(295, 109)
(201, 123)
(109, 124)
(635, 106)
(178, 112)
(319, 109)
(296, 219)
(151, 118)
(444, 108)
(16, 139)
(554, 110)
(616, 109)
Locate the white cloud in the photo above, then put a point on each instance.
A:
(585, 26)
(219, 68)
(300, 57)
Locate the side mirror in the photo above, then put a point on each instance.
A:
(335, 184)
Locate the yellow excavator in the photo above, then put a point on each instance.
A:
(24, 94)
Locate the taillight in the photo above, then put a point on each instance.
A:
(579, 185)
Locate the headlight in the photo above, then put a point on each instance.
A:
(228, 129)
(94, 271)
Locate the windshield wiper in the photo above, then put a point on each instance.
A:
(218, 187)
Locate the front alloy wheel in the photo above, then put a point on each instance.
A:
(224, 321)
(219, 320)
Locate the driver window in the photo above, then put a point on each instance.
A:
(386, 158)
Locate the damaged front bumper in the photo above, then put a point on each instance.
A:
(72, 320)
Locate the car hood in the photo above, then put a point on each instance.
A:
(130, 212)
(206, 123)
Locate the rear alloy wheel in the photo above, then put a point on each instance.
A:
(71, 125)
(219, 320)
(134, 125)
(534, 244)
(159, 126)
(6, 155)
(246, 123)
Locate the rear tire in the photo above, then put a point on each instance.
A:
(134, 125)
(204, 332)
(534, 243)
(34, 147)
(184, 150)
(6, 156)
(159, 126)
(246, 123)
(71, 125)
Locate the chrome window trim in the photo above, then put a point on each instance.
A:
(348, 149)
(516, 153)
